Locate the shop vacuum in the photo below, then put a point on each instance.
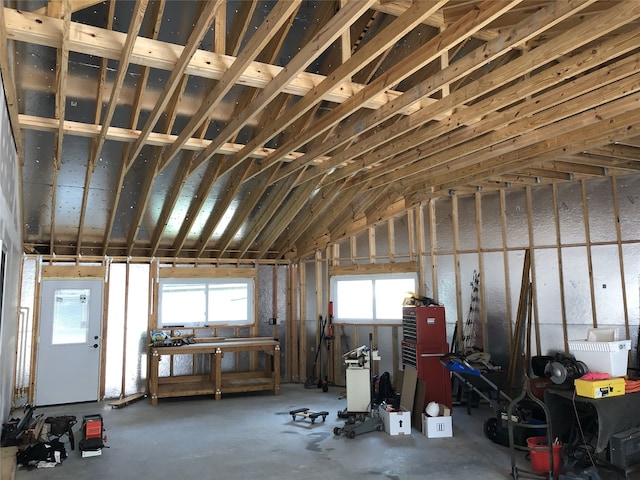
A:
(93, 437)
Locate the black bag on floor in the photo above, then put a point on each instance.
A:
(382, 389)
(41, 452)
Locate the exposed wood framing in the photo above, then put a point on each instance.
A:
(563, 305)
(616, 212)
(534, 291)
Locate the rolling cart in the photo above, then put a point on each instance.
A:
(495, 428)
(545, 454)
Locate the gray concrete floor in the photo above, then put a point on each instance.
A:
(253, 436)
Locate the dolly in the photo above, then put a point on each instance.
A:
(306, 413)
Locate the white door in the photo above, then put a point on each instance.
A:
(68, 365)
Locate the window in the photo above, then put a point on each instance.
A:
(371, 298)
(198, 302)
(70, 316)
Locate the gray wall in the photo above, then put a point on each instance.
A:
(11, 237)
(585, 265)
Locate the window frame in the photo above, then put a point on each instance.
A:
(207, 282)
(373, 277)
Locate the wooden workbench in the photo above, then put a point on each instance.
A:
(216, 382)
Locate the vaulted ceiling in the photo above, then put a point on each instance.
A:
(265, 130)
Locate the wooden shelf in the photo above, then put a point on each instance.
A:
(185, 389)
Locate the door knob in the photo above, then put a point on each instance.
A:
(95, 345)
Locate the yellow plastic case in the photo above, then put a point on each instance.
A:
(600, 388)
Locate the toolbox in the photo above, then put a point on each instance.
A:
(600, 388)
(92, 435)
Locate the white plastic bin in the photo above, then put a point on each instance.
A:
(606, 357)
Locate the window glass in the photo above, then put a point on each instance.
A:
(351, 304)
(371, 298)
(183, 303)
(205, 302)
(70, 316)
(390, 294)
(229, 301)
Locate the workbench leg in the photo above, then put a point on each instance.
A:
(153, 377)
(217, 357)
(276, 370)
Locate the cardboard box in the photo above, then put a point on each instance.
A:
(437, 427)
(600, 388)
(396, 423)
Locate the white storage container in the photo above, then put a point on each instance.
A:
(606, 357)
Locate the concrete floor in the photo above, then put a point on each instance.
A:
(253, 436)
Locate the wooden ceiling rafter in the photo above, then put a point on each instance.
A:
(230, 189)
(142, 201)
(214, 167)
(342, 73)
(62, 67)
(277, 17)
(307, 106)
(281, 219)
(571, 125)
(439, 143)
(53, 7)
(600, 131)
(520, 33)
(475, 20)
(241, 216)
(158, 10)
(396, 8)
(615, 21)
(203, 23)
(171, 94)
(489, 141)
(42, 30)
(329, 33)
(123, 65)
(258, 224)
(97, 115)
(588, 128)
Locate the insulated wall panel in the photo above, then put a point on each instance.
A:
(577, 292)
(543, 216)
(382, 242)
(491, 221)
(628, 201)
(444, 225)
(549, 302)
(467, 231)
(516, 213)
(602, 219)
(607, 285)
(570, 213)
(401, 237)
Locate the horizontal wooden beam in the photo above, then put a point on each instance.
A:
(373, 268)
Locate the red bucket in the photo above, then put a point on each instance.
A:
(540, 458)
